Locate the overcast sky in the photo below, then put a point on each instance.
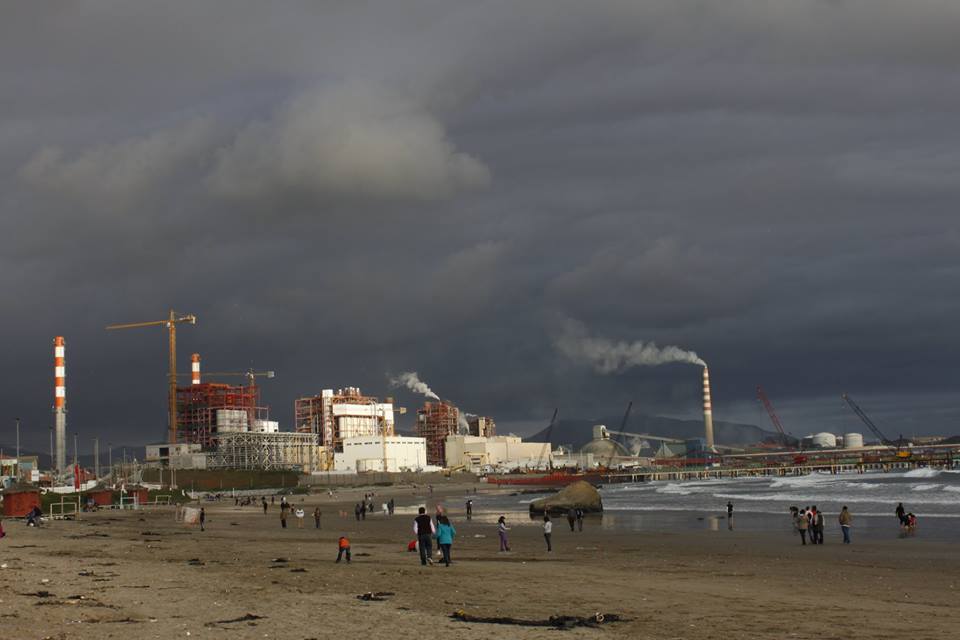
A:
(344, 191)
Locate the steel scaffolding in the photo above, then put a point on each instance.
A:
(267, 451)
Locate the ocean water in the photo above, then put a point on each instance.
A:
(762, 504)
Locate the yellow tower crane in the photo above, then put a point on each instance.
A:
(171, 323)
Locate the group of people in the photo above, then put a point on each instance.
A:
(808, 522)
(425, 530)
(908, 521)
(366, 506)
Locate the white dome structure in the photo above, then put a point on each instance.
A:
(853, 440)
(824, 440)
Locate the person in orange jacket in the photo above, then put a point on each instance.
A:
(344, 545)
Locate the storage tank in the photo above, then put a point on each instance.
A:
(824, 440)
(853, 440)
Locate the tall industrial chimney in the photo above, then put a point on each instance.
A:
(195, 368)
(60, 403)
(707, 409)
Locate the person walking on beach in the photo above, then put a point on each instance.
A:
(284, 507)
(390, 506)
(571, 518)
(316, 517)
(264, 500)
(729, 510)
(901, 513)
(803, 523)
(363, 510)
(445, 534)
(343, 546)
(818, 527)
(203, 518)
(547, 531)
(300, 514)
(469, 509)
(502, 529)
(580, 519)
(386, 509)
(845, 521)
(423, 528)
(356, 511)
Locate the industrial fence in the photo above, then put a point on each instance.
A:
(380, 478)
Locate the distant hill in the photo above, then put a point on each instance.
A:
(577, 433)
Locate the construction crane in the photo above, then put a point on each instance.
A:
(867, 421)
(623, 426)
(249, 374)
(547, 446)
(773, 415)
(171, 323)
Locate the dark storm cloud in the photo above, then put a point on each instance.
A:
(343, 193)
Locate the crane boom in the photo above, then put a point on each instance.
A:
(547, 446)
(773, 414)
(623, 427)
(866, 420)
(171, 323)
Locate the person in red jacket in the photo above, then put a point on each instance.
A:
(344, 549)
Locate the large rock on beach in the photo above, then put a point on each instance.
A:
(579, 495)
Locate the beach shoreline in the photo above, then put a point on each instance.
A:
(143, 574)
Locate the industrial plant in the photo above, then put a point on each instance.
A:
(218, 424)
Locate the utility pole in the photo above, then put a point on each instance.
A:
(76, 463)
(110, 458)
(96, 458)
(18, 449)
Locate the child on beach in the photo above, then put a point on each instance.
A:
(547, 531)
(502, 529)
(445, 534)
(344, 548)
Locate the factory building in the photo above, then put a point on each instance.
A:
(334, 416)
(436, 421)
(481, 426)
(366, 453)
(207, 409)
(473, 453)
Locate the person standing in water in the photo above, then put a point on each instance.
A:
(547, 531)
(502, 529)
(845, 521)
(469, 509)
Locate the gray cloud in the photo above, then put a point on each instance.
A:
(351, 140)
(343, 192)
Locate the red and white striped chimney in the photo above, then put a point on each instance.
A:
(195, 368)
(707, 409)
(59, 374)
(60, 403)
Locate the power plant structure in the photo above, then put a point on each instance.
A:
(436, 421)
(334, 416)
(707, 410)
(60, 404)
(481, 426)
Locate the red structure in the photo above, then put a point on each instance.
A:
(198, 404)
(17, 504)
(436, 421)
(101, 497)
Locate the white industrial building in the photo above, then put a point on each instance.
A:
(178, 455)
(367, 453)
(474, 453)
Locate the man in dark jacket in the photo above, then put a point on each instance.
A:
(423, 528)
(571, 517)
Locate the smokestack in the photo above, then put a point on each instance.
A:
(60, 403)
(707, 409)
(195, 368)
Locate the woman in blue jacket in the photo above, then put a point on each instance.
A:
(445, 534)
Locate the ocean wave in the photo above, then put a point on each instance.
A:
(926, 487)
(922, 473)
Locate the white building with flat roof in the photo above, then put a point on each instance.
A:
(366, 453)
(473, 453)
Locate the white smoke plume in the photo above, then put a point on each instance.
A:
(463, 427)
(412, 381)
(609, 356)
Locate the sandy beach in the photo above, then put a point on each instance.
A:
(142, 574)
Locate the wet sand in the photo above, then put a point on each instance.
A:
(141, 574)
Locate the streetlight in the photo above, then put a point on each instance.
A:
(18, 449)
